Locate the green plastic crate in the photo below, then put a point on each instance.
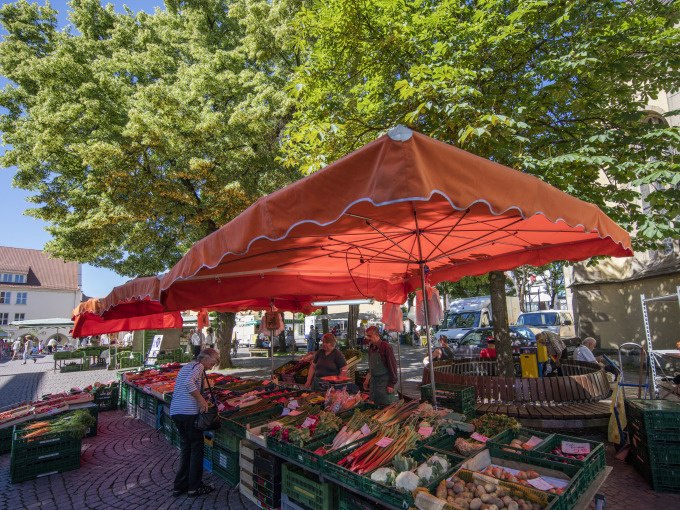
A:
(592, 465)
(302, 488)
(456, 397)
(29, 450)
(226, 465)
(347, 500)
(107, 399)
(227, 440)
(661, 417)
(55, 463)
(6, 439)
(301, 455)
(504, 438)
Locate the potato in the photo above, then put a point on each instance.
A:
(485, 498)
(512, 505)
(458, 488)
(449, 492)
(450, 500)
(480, 489)
(441, 490)
(489, 487)
(450, 484)
(462, 503)
(493, 507)
(470, 486)
(475, 504)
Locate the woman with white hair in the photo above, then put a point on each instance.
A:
(584, 352)
(187, 402)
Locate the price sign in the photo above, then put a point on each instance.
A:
(575, 448)
(295, 412)
(450, 431)
(385, 441)
(540, 484)
(309, 421)
(425, 431)
(365, 430)
(285, 411)
(293, 404)
(479, 437)
(533, 441)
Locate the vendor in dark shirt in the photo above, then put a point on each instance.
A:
(327, 361)
(444, 351)
(382, 369)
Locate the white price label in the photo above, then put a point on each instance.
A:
(365, 430)
(295, 412)
(533, 441)
(293, 404)
(309, 421)
(385, 441)
(425, 431)
(450, 431)
(575, 448)
(540, 484)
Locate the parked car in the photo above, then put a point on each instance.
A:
(470, 345)
(559, 322)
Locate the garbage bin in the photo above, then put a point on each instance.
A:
(528, 362)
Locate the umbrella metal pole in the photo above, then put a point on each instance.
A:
(427, 332)
(271, 350)
(401, 381)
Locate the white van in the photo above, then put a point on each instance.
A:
(559, 322)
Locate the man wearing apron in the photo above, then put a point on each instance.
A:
(382, 369)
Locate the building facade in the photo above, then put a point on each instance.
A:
(35, 286)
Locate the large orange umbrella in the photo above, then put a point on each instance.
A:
(375, 222)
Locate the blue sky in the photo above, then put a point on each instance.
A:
(21, 231)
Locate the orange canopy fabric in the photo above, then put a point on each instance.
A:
(362, 226)
(140, 296)
(92, 324)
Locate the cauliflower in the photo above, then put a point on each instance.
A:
(439, 464)
(384, 475)
(425, 473)
(407, 481)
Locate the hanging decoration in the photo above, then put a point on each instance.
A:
(434, 306)
(272, 321)
(392, 317)
(203, 320)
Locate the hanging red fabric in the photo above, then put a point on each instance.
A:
(392, 317)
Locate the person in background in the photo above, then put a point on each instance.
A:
(290, 339)
(209, 338)
(382, 369)
(28, 349)
(584, 352)
(52, 345)
(327, 361)
(556, 351)
(104, 339)
(127, 339)
(444, 351)
(195, 342)
(187, 402)
(361, 333)
(311, 338)
(16, 349)
(489, 352)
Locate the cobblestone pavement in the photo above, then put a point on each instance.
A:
(128, 465)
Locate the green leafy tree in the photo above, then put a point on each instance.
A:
(469, 286)
(140, 134)
(555, 88)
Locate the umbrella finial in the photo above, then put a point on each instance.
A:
(400, 133)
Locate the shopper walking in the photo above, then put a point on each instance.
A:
(187, 403)
(16, 349)
(28, 349)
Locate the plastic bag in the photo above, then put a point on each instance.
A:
(271, 321)
(392, 317)
(434, 307)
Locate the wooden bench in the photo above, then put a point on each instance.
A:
(259, 352)
(572, 400)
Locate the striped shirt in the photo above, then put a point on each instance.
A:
(189, 379)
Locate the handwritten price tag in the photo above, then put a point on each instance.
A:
(479, 437)
(425, 431)
(385, 441)
(450, 431)
(294, 412)
(308, 422)
(365, 430)
(533, 441)
(540, 484)
(575, 448)
(285, 411)
(293, 404)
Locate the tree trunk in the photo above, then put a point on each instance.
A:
(501, 329)
(282, 336)
(352, 318)
(324, 322)
(224, 333)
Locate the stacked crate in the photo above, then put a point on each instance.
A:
(225, 456)
(267, 479)
(246, 461)
(654, 428)
(42, 456)
(302, 488)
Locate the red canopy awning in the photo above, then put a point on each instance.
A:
(363, 226)
(87, 324)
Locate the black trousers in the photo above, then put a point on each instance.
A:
(196, 349)
(190, 472)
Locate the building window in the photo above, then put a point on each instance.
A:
(5, 298)
(4, 317)
(19, 316)
(19, 278)
(7, 278)
(22, 297)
